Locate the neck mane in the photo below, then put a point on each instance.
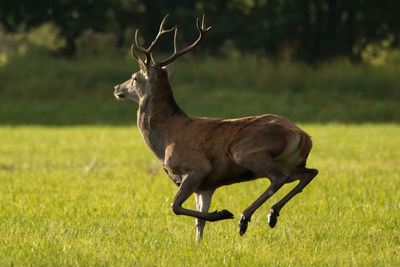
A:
(155, 111)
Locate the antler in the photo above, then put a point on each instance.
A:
(147, 51)
(177, 53)
(202, 31)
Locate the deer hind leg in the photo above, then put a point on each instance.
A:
(305, 176)
(188, 186)
(203, 201)
(277, 182)
(266, 169)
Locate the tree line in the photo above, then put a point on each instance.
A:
(312, 30)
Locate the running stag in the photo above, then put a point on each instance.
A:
(202, 154)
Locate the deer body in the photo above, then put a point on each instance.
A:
(202, 154)
(221, 147)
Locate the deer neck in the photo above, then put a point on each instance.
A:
(156, 115)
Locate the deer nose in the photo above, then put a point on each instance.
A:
(116, 87)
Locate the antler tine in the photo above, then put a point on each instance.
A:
(203, 24)
(202, 31)
(175, 42)
(133, 52)
(141, 48)
(175, 46)
(161, 31)
(147, 51)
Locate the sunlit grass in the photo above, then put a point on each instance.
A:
(95, 195)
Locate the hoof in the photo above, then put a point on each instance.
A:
(220, 215)
(272, 218)
(243, 223)
(225, 214)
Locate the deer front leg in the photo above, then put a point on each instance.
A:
(203, 201)
(188, 186)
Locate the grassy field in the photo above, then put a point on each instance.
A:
(95, 195)
(80, 187)
(42, 90)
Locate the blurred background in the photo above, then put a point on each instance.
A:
(312, 60)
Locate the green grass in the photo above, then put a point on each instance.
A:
(78, 186)
(95, 195)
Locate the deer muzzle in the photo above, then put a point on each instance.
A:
(117, 93)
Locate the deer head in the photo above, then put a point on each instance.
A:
(153, 75)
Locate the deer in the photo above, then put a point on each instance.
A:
(202, 154)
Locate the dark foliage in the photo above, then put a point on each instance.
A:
(312, 30)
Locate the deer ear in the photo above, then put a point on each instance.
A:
(168, 69)
(143, 67)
